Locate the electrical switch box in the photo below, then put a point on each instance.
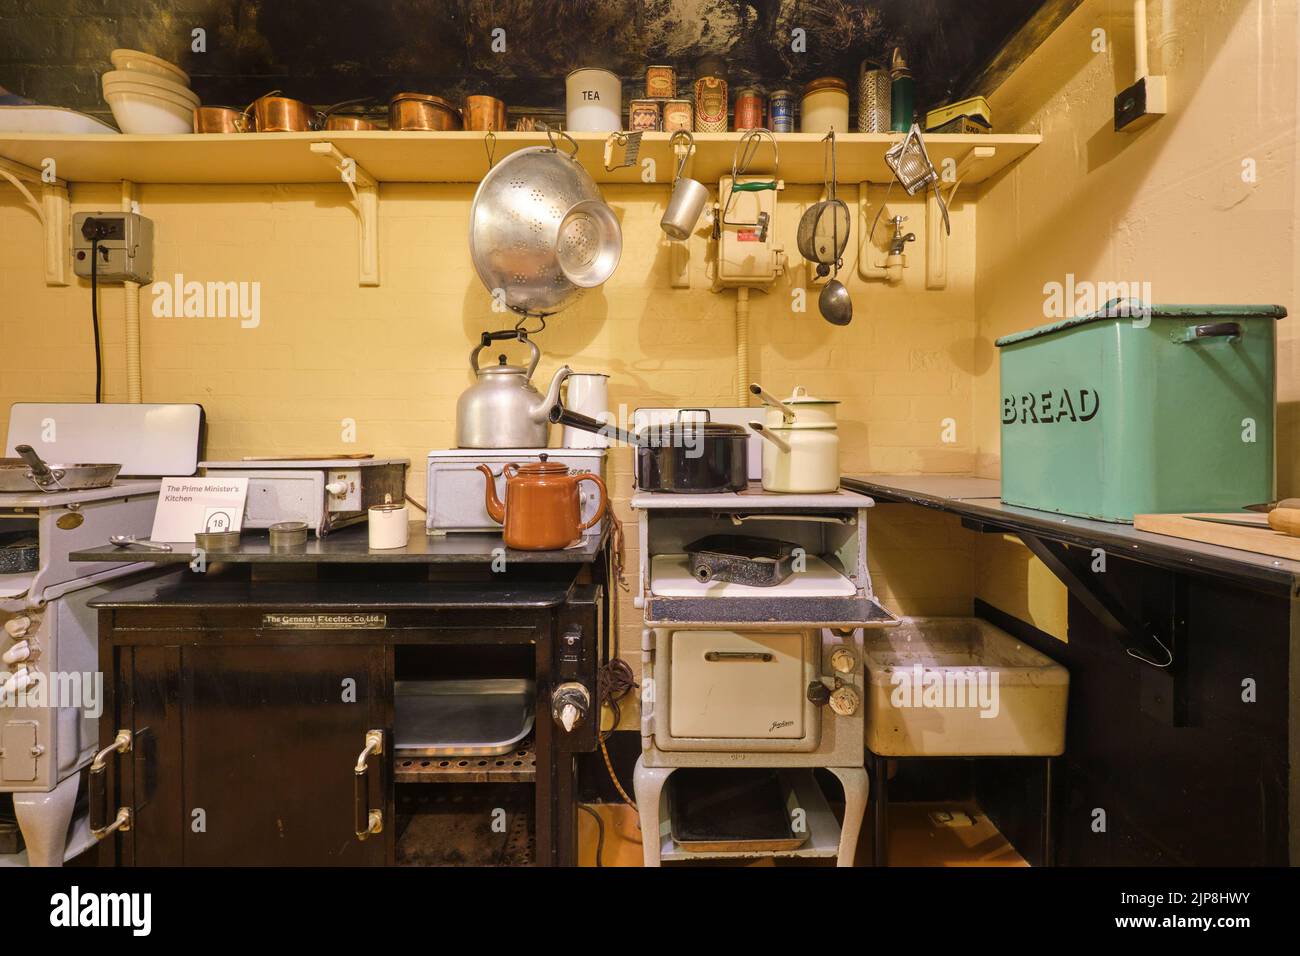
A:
(120, 242)
(748, 253)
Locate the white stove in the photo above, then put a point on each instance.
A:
(50, 682)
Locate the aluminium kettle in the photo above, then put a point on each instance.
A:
(503, 409)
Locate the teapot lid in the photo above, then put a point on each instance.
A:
(543, 467)
(501, 368)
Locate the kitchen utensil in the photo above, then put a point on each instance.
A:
(503, 409)
(589, 244)
(30, 473)
(741, 559)
(542, 509)
(1268, 506)
(683, 456)
(688, 198)
(515, 228)
(461, 718)
(422, 111)
(800, 460)
(144, 111)
(349, 123)
(1224, 529)
(631, 143)
(280, 114)
(150, 82)
(823, 230)
(389, 526)
(911, 165)
(485, 113)
(800, 410)
(873, 98)
(835, 303)
(824, 106)
(51, 119)
(287, 535)
(586, 393)
(131, 541)
(743, 157)
(593, 101)
(216, 540)
(220, 119)
(134, 61)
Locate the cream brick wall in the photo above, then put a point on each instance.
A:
(394, 358)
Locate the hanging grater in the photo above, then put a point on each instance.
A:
(911, 165)
(631, 143)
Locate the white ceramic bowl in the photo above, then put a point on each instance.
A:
(147, 81)
(136, 89)
(138, 112)
(147, 63)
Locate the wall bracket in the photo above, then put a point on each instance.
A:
(53, 209)
(365, 203)
(936, 236)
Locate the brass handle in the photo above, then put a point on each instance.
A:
(100, 826)
(366, 820)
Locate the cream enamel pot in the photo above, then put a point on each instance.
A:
(800, 460)
(800, 410)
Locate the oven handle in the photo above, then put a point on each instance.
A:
(723, 657)
(367, 821)
(100, 825)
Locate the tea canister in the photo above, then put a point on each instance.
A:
(643, 115)
(678, 115)
(748, 109)
(780, 111)
(593, 101)
(873, 98)
(825, 105)
(660, 82)
(710, 94)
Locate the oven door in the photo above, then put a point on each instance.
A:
(728, 690)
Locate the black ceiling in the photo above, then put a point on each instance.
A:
(324, 50)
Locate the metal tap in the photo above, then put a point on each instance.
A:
(896, 244)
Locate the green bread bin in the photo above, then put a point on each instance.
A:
(1124, 411)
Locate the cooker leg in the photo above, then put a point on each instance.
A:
(856, 788)
(44, 819)
(648, 782)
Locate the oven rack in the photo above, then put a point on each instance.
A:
(517, 766)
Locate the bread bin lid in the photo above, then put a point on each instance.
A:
(1133, 308)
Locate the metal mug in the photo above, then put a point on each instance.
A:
(688, 198)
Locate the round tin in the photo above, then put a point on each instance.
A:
(288, 534)
(216, 540)
(593, 101)
(824, 106)
(643, 115)
(678, 115)
(660, 82)
(711, 104)
(748, 109)
(780, 111)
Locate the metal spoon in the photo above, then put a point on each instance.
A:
(835, 303)
(130, 541)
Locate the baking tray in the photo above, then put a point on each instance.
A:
(731, 811)
(437, 718)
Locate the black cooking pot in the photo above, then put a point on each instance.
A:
(683, 457)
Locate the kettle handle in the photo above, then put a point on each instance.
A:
(604, 497)
(489, 337)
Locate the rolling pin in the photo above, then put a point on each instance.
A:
(1285, 520)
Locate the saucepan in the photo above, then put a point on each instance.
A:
(30, 472)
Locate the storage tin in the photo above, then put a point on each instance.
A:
(825, 105)
(748, 109)
(711, 105)
(660, 82)
(1122, 412)
(679, 115)
(593, 101)
(780, 111)
(643, 115)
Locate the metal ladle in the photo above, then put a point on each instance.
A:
(835, 303)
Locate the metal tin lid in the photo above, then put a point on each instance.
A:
(1132, 308)
(825, 83)
(775, 93)
(591, 69)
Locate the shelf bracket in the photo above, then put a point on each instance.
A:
(365, 203)
(936, 236)
(53, 209)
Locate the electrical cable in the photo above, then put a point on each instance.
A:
(600, 833)
(94, 318)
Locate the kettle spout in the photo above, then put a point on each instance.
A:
(495, 509)
(541, 411)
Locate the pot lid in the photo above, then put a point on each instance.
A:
(667, 433)
(502, 368)
(800, 396)
(542, 467)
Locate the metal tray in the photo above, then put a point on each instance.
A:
(741, 559)
(437, 718)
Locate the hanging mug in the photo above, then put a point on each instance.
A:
(688, 198)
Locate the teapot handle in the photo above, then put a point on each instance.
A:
(604, 497)
(488, 338)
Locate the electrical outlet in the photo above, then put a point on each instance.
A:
(123, 242)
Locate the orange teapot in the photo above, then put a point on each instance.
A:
(542, 510)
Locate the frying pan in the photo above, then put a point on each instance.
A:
(30, 472)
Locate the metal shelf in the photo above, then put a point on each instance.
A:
(517, 766)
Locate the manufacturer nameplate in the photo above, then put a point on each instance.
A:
(325, 622)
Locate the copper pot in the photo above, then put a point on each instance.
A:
(485, 113)
(220, 119)
(342, 122)
(280, 114)
(422, 111)
(542, 510)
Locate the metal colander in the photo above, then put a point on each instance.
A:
(540, 232)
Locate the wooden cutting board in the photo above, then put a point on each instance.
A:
(1248, 532)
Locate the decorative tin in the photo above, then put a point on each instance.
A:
(780, 110)
(873, 98)
(711, 105)
(749, 109)
(1134, 410)
(643, 115)
(678, 115)
(660, 82)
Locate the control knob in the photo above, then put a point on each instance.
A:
(570, 703)
(845, 701)
(843, 660)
